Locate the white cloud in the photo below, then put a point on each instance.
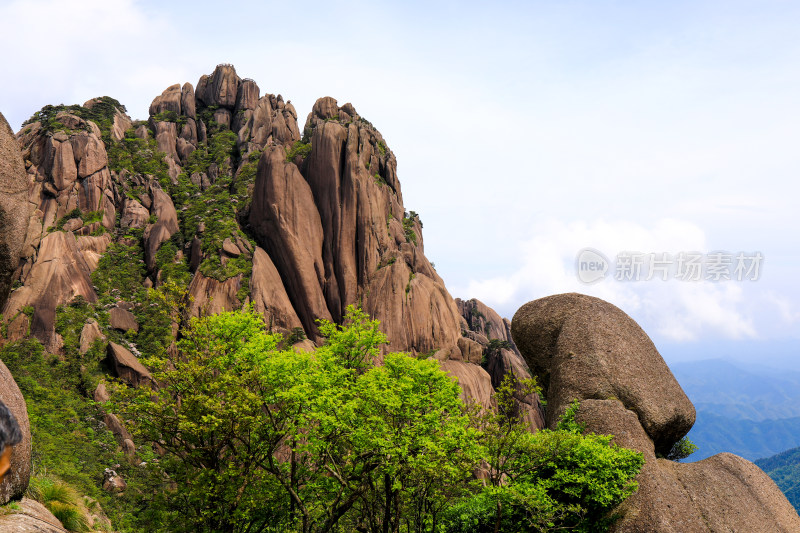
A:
(674, 310)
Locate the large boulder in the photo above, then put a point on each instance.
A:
(583, 347)
(14, 207)
(16, 481)
(126, 366)
(586, 349)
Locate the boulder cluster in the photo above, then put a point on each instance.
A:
(583, 348)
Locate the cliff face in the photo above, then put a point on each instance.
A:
(219, 194)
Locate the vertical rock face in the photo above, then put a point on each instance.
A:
(14, 206)
(586, 349)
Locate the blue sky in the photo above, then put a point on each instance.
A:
(523, 131)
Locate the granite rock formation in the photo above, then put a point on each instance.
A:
(586, 349)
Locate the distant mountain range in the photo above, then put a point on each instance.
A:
(747, 410)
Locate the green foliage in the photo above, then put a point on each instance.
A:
(297, 335)
(382, 147)
(101, 113)
(784, 469)
(170, 116)
(71, 442)
(355, 440)
(544, 481)
(682, 449)
(28, 311)
(60, 499)
(408, 229)
(120, 271)
(138, 156)
(379, 180)
(299, 149)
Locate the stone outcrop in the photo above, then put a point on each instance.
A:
(15, 483)
(30, 517)
(586, 349)
(58, 273)
(14, 206)
(126, 366)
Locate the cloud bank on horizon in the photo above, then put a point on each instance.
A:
(524, 131)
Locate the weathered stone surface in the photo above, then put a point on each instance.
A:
(210, 296)
(115, 426)
(168, 101)
(101, 393)
(89, 152)
(121, 124)
(187, 101)
(167, 138)
(220, 88)
(59, 273)
(230, 249)
(123, 320)
(286, 223)
(90, 333)
(268, 295)
(15, 210)
(126, 366)
(583, 347)
(30, 517)
(134, 214)
(474, 382)
(15, 483)
(165, 227)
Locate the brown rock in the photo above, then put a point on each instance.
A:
(170, 100)
(73, 224)
(16, 482)
(582, 347)
(14, 207)
(59, 273)
(113, 482)
(210, 296)
(247, 96)
(123, 320)
(474, 382)
(231, 249)
(89, 152)
(268, 295)
(134, 214)
(101, 393)
(121, 124)
(164, 228)
(284, 219)
(89, 334)
(30, 517)
(187, 101)
(115, 426)
(220, 88)
(63, 172)
(167, 138)
(126, 366)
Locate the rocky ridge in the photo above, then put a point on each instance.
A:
(220, 200)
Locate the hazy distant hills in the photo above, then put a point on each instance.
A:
(750, 411)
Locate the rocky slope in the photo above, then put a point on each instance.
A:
(219, 200)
